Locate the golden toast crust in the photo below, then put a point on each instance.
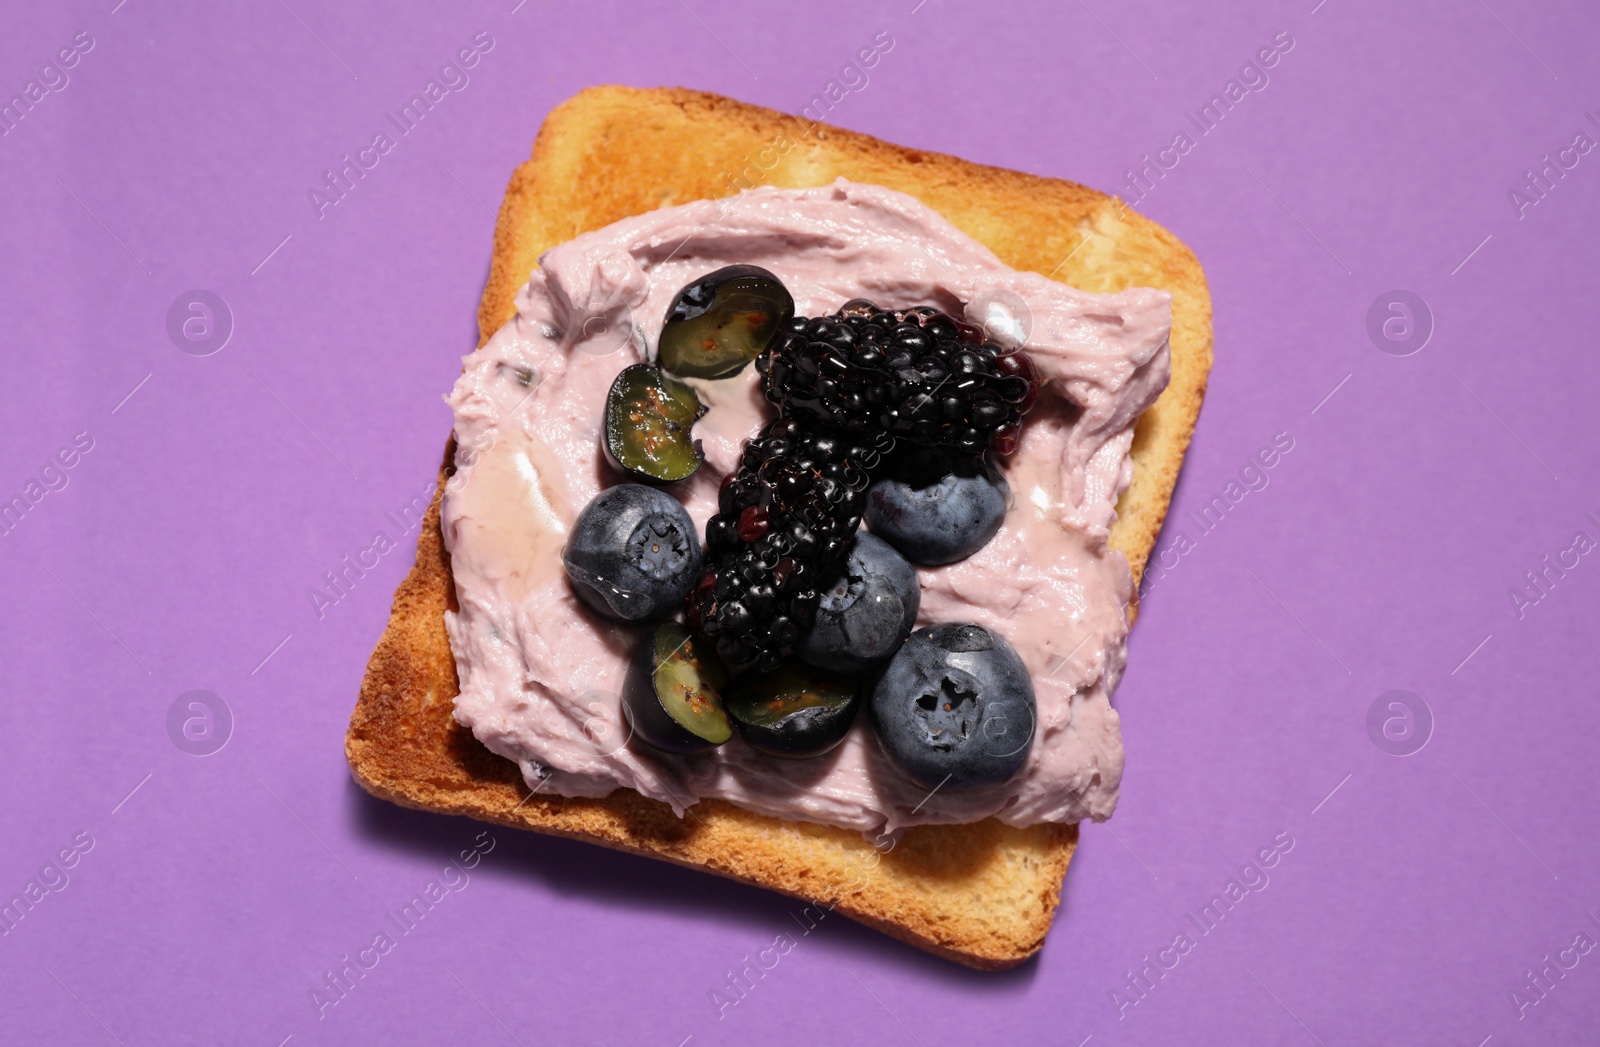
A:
(983, 894)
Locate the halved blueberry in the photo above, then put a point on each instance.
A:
(720, 322)
(955, 708)
(794, 710)
(937, 506)
(632, 554)
(673, 692)
(867, 611)
(649, 416)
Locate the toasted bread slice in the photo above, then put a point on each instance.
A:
(982, 894)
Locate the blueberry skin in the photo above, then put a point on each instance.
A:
(865, 615)
(955, 708)
(633, 553)
(938, 506)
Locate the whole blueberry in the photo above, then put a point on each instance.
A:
(632, 554)
(937, 506)
(954, 709)
(867, 612)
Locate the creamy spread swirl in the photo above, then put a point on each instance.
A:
(540, 674)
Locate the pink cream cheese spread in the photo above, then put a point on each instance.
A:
(541, 675)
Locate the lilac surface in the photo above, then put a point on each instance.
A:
(219, 891)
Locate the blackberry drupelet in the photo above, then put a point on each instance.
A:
(784, 527)
(916, 374)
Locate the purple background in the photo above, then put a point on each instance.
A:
(220, 890)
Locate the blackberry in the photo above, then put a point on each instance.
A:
(916, 374)
(786, 518)
(849, 386)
